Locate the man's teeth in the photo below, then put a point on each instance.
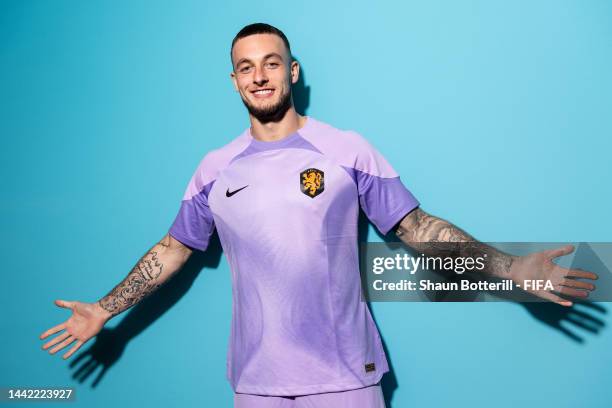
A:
(263, 92)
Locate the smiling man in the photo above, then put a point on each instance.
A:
(265, 93)
(284, 197)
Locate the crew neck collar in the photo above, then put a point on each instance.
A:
(280, 142)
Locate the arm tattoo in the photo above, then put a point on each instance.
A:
(140, 282)
(434, 236)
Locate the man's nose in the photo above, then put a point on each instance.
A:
(259, 77)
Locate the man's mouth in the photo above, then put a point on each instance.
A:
(263, 93)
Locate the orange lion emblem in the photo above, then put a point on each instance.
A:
(311, 182)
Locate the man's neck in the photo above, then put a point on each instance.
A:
(271, 131)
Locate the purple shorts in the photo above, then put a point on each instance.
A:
(367, 397)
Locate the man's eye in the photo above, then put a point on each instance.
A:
(272, 64)
(244, 70)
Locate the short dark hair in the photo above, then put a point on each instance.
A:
(260, 28)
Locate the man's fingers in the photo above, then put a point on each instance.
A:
(573, 292)
(64, 303)
(56, 340)
(554, 298)
(581, 273)
(564, 250)
(62, 345)
(62, 326)
(74, 348)
(573, 283)
(53, 330)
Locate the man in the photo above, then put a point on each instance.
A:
(284, 198)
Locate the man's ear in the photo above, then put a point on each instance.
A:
(234, 81)
(295, 72)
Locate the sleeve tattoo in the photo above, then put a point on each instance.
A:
(434, 236)
(140, 282)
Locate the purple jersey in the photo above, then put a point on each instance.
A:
(286, 214)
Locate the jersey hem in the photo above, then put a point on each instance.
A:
(295, 391)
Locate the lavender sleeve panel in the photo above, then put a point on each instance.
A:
(384, 200)
(194, 225)
(383, 197)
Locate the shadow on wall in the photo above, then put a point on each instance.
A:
(109, 344)
(584, 315)
(301, 93)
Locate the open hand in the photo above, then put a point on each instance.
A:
(540, 266)
(86, 321)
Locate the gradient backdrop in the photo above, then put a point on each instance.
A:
(497, 115)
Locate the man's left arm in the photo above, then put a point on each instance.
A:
(431, 235)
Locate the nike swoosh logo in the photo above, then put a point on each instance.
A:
(229, 194)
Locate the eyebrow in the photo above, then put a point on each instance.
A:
(270, 55)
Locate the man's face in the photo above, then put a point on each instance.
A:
(263, 73)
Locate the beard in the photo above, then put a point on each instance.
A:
(272, 113)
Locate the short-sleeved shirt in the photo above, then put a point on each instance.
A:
(286, 213)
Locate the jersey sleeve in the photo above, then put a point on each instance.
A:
(382, 195)
(194, 224)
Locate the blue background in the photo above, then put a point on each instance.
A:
(495, 113)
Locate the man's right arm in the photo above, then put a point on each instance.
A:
(152, 270)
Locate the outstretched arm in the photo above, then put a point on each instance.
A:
(152, 270)
(426, 233)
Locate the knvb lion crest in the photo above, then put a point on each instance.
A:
(312, 182)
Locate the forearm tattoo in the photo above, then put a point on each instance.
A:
(434, 236)
(140, 282)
